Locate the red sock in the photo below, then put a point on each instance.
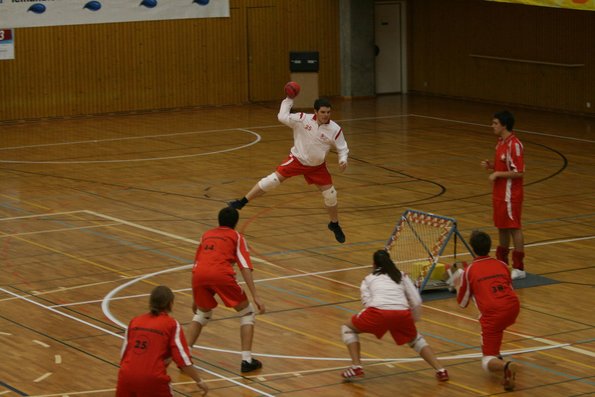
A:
(502, 253)
(517, 260)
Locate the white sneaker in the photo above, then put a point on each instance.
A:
(517, 274)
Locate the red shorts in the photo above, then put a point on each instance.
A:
(225, 285)
(376, 321)
(128, 388)
(493, 326)
(507, 215)
(316, 175)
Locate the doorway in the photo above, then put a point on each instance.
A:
(389, 33)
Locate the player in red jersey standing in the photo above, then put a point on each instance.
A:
(392, 304)
(152, 341)
(506, 173)
(213, 273)
(313, 137)
(487, 281)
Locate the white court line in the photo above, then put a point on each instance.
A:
(41, 215)
(41, 343)
(62, 289)
(126, 138)
(392, 360)
(524, 131)
(254, 142)
(157, 231)
(173, 236)
(42, 377)
(122, 337)
(65, 229)
(551, 344)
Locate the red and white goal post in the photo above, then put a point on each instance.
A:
(418, 241)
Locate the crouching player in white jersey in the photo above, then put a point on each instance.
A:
(313, 137)
(392, 303)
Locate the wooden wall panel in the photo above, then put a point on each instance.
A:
(314, 26)
(443, 36)
(120, 67)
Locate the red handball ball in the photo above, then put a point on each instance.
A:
(292, 89)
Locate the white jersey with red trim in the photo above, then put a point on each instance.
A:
(312, 142)
(380, 291)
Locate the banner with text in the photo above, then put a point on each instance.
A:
(30, 13)
(575, 4)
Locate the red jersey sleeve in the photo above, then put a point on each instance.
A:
(517, 161)
(179, 347)
(242, 253)
(464, 295)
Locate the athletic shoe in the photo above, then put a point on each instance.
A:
(442, 375)
(352, 372)
(237, 204)
(251, 366)
(335, 228)
(517, 274)
(509, 374)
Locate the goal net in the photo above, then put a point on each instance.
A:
(418, 241)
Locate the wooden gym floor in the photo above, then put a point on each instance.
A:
(90, 205)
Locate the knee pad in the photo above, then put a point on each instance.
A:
(247, 315)
(485, 360)
(418, 343)
(269, 182)
(202, 318)
(330, 197)
(349, 336)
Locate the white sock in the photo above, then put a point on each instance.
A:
(247, 356)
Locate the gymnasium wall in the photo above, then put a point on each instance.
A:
(515, 54)
(121, 67)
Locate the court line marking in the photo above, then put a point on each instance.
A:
(254, 142)
(41, 215)
(171, 235)
(125, 138)
(516, 130)
(178, 237)
(550, 344)
(122, 337)
(42, 377)
(41, 343)
(304, 274)
(65, 229)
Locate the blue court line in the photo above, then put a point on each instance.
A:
(22, 393)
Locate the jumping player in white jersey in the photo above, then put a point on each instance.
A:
(313, 137)
(392, 303)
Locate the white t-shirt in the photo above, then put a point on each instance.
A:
(312, 142)
(380, 291)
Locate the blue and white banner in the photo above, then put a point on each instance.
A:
(30, 13)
